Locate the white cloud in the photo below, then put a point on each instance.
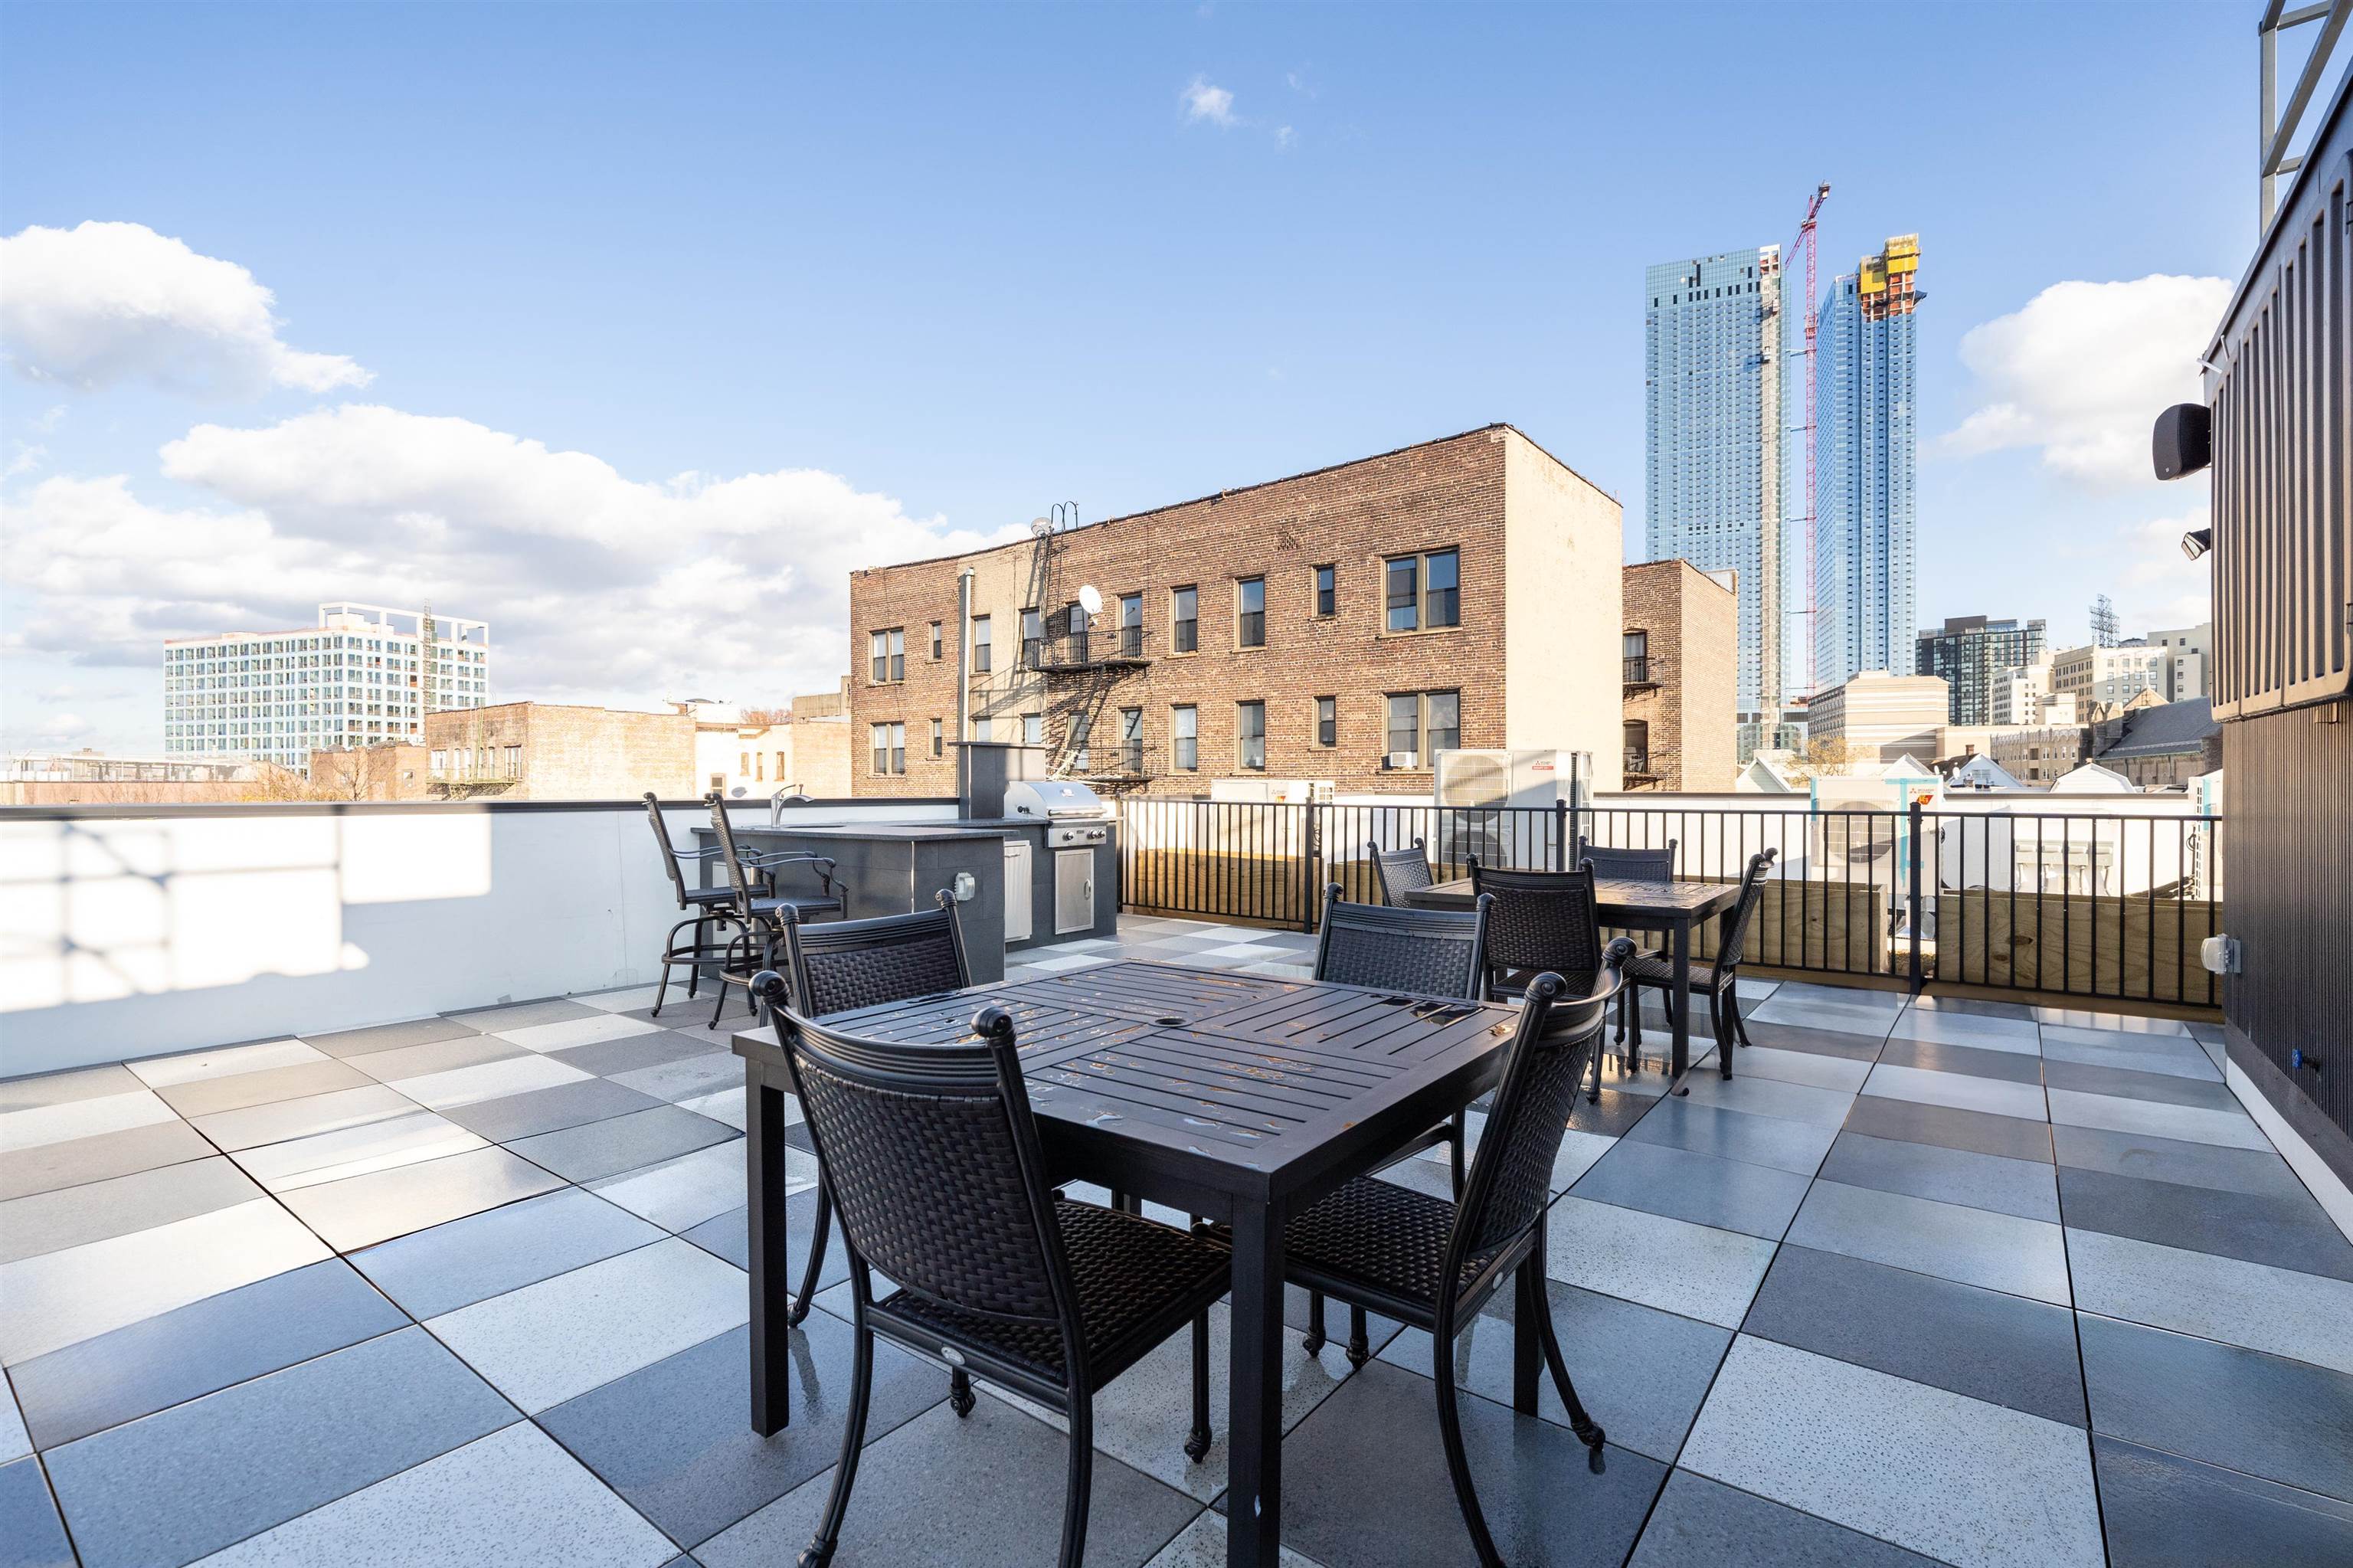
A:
(2082, 370)
(63, 727)
(1284, 136)
(108, 302)
(1203, 102)
(597, 588)
(2162, 588)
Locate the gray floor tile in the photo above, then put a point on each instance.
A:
(67, 1119)
(679, 1195)
(633, 1052)
(359, 1211)
(1809, 1067)
(719, 1069)
(1833, 1017)
(2002, 1349)
(523, 1015)
(1730, 1194)
(489, 1081)
(435, 1056)
(72, 1216)
(199, 1349)
(1820, 1041)
(1736, 1135)
(526, 1115)
(673, 1437)
(1909, 1122)
(2164, 1511)
(349, 1043)
(1763, 1096)
(1701, 1523)
(547, 1342)
(1959, 1091)
(2108, 1022)
(566, 1034)
(1612, 1113)
(2278, 1310)
(2021, 1187)
(2285, 1421)
(2173, 1159)
(1977, 1007)
(355, 1150)
(722, 1235)
(1935, 1471)
(997, 1475)
(2012, 1067)
(46, 1167)
(30, 1532)
(208, 1097)
(1364, 1483)
(1641, 1373)
(43, 1090)
(1968, 1029)
(1202, 1544)
(200, 1476)
(2135, 1052)
(287, 1120)
(622, 1143)
(1697, 1271)
(485, 1255)
(2230, 1128)
(2287, 1230)
(514, 1498)
(1976, 1246)
(223, 1062)
(14, 1441)
(2165, 1088)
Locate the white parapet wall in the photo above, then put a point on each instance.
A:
(127, 932)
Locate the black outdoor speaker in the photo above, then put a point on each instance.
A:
(2183, 442)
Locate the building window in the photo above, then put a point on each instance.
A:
(1424, 593)
(1185, 750)
(939, 738)
(1249, 605)
(780, 768)
(1327, 591)
(1638, 747)
(1327, 722)
(1404, 745)
(1415, 717)
(981, 661)
(1130, 626)
(1082, 758)
(1638, 658)
(1131, 741)
(1033, 729)
(1249, 736)
(984, 728)
(743, 763)
(1033, 640)
(939, 642)
(889, 742)
(1442, 721)
(1185, 613)
(887, 655)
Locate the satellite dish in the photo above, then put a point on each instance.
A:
(1090, 600)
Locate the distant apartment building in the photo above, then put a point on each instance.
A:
(1971, 654)
(1342, 625)
(1876, 716)
(803, 750)
(90, 777)
(1681, 676)
(2191, 650)
(364, 675)
(2040, 756)
(1714, 486)
(2023, 695)
(1865, 435)
(2093, 675)
(521, 751)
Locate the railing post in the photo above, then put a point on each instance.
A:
(1559, 835)
(1312, 837)
(1914, 870)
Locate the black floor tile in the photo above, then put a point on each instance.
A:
(33, 1535)
(723, 1235)
(2163, 1511)
(1701, 1523)
(2001, 1349)
(1974, 1007)
(599, 1148)
(606, 1057)
(2283, 1420)
(2175, 1160)
(2010, 1066)
(2287, 1232)
(1820, 1041)
(512, 1116)
(1610, 1116)
(1879, 1116)
(1364, 1483)
(2164, 1089)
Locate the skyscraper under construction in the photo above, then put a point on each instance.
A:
(1866, 428)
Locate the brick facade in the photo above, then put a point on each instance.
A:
(524, 751)
(1683, 688)
(1490, 495)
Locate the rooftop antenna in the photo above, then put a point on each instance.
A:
(2104, 622)
(1064, 514)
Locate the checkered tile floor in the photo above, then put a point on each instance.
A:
(1955, 1282)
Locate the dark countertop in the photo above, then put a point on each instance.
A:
(876, 833)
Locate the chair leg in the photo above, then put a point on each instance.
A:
(1458, 1464)
(1313, 1342)
(820, 1234)
(1634, 1045)
(1731, 1005)
(1082, 1458)
(1196, 1442)
(1593, 1072)
(1587, 1430)
(1457, 1137)
(1360, 1346)
(1622, 1021)
(727, 967)
(853, 1437)
(1722, 1033)
(960, 1398)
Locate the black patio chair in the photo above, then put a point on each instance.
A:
(1719, 983)
(932, 1158)
(1610, 864)
(1398, 873)
(1541, 920)
(1434, 1265)
(843, 965)
(709, 911)
(1430, 952)
(759, 910)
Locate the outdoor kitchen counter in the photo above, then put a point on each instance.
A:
(896, 868)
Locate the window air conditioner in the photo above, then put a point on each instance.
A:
(1401, 759)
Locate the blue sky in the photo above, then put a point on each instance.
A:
(866, 275)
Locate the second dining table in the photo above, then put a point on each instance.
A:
(1236, 1098)
(1629, 904)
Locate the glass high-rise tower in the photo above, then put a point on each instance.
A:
(1713, 336)
(1866, 434)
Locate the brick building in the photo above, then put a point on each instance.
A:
(1339, 625)
(1681, 676)
(523, 751)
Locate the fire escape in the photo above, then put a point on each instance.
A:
(1082, 664)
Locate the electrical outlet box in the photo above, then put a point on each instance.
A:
(2220, 955)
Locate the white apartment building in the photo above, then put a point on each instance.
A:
(2019, 692)
(2191, 652)
(2095, 675)
(365, 676)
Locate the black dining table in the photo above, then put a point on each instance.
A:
(1236, 1098)
(1673, 907)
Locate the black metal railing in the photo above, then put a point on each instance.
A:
(2081, 904)
(1638, 672)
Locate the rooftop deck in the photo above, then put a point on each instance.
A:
(1963, 1282)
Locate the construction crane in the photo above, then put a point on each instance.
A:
(1805, 241)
